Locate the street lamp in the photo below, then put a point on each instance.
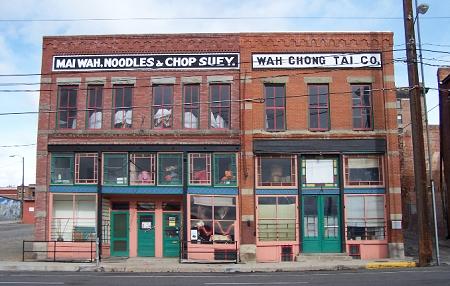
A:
(422, 9)
(23, 184)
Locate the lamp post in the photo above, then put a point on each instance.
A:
(23, 184)
(422, 9)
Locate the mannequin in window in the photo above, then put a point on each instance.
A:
(171, 174)
(144, 177)
(276, 173)
(227, 177)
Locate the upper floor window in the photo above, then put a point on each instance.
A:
(317, 173)
(399, 119)
(62, 168)
(200, 169)
(220, 106)
(67, 107)
(398, 104)
(363, 170)
(191, 104)
(122, 104)
(142, 169)
(162, 106)
(276, 171)
(115, 169)
(275, 99)
(170, 169)
(319, 118)
(86, 168)
(225, 171)
(362, 107)
(94, 106)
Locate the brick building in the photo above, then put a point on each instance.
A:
(274, 144)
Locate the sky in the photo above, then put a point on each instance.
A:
(21, 44)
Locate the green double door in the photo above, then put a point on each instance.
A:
(321, 232)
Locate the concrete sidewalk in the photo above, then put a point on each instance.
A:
(172, 265)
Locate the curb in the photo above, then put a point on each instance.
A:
(391, 264)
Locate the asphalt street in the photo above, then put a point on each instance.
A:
(11, 236)
(410, 277)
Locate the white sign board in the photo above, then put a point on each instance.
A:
(194, 234)
(319, 171)
(322, 60)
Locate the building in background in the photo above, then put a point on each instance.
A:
(444, 117)
(258, 146)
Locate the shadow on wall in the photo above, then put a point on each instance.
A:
(9, 209)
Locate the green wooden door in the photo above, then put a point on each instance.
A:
(321, 224)
(171, 231)
(146, 234)
(119, 233)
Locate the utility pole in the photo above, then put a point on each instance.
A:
(425, 243)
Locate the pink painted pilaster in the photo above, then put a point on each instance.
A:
(133, 229)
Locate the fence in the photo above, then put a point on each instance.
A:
(193, 251)
(61, 251)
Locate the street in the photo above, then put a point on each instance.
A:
(410, 277)
(11, 236)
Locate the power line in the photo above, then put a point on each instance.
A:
(265, 18)
(17, 145)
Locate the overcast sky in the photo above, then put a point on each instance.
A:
(21, 42)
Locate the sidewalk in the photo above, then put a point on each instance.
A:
(172, 265)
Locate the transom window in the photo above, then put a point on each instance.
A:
(142, 169)
(363, 170)
(191, 100)
(94, 106)
(200, 169)
(115, 169)
(62, 169)
(277, 218)
(86, 168)
(67, 107)
(123, 106)
(362, 107)
(277, 171)
(220, 105)
(365, 217)
(275, 100)
(318, 107)
(162, 106)
(318, 173)
(212, 219)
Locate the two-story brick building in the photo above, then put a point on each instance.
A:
(275, 144)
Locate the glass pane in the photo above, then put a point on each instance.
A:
(191, 117)
(374, 207)
(146, 206)
(270, 95)
(319, 171)
(331, 221)
(215, 95)
(270, 119)
(267, 229)
(62, 170)
(201, 207)
(204, 229)
(279, 119)
(116, 169)
(267, 207)
(323, 118)
(225, 169)
(87, 168)
(223, 231)
(142, 169)
(200, 168)
(224, 212)
(313, 119)
(286, 208)
(170, 169)
(279, 96)
(310, 217)
(276, 172)
(171, 206)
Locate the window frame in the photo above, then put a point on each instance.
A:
(167, 91)
(192, 105)
(213, 220)
(152, 171)
(317, 107)
(97, 90)
(159, 175)
(223, 104)
(123, 108)
(208, 178)
(216, 175)
(277, 218)
(365, 219)
(282, 185)
(66, 90)
(274, 107)
(364, 184)
(361, 106)
(79, 181)
(336, 170)
(52, 168)
(106, 157)
(85, 236)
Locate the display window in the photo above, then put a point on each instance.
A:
(276, 218)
